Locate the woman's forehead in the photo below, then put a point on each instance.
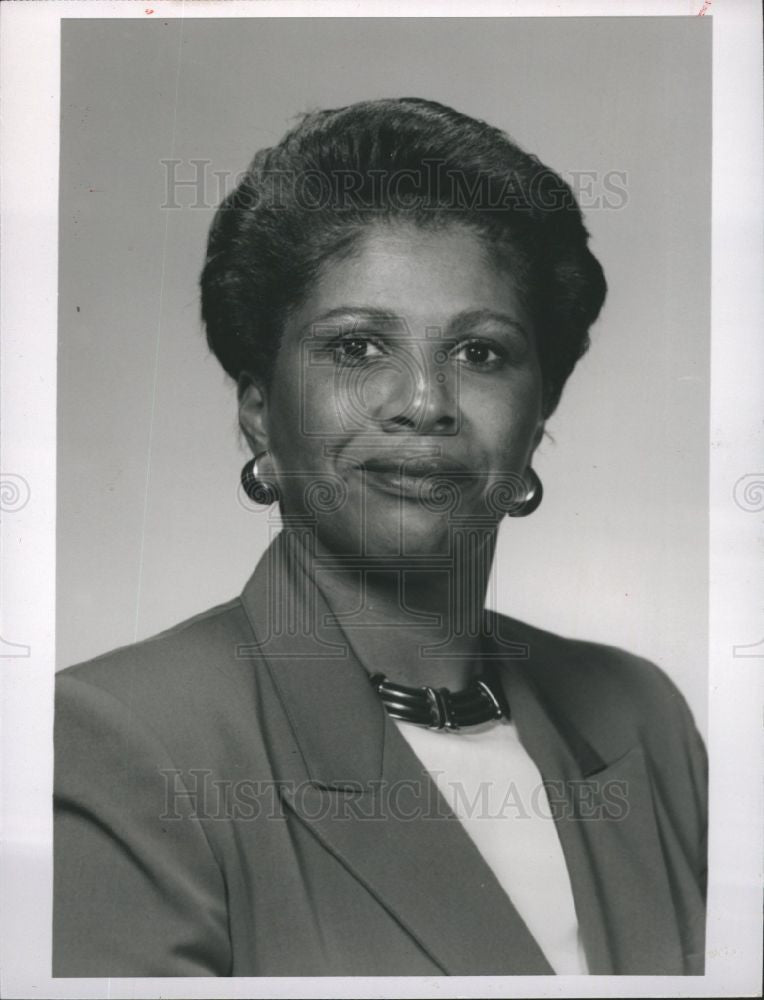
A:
(402, 272)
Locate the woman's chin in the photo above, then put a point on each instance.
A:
(386, 536)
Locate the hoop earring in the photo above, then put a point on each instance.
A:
(533, 499)
(257, 490)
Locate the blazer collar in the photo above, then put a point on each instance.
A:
(322, 686)
(333, 736)
(605, 818)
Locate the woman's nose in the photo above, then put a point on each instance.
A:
(418, 394)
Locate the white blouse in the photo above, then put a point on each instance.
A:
(496, 791)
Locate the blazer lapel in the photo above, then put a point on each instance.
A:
(349, 776)
(607, 827)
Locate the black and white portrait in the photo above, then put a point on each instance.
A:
(382, 491)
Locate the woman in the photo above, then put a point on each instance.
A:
(354, 768)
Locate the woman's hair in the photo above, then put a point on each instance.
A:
(310, 197)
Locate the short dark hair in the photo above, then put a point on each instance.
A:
(311, 196)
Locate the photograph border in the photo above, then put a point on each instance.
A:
(29, 34)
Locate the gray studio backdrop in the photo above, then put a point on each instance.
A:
(151, 524)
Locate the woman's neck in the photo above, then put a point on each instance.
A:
(416, 621)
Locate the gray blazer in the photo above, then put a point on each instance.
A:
(232, 800)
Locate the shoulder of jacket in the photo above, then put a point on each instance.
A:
(579, 670)
(613, 698)
(180, 655)
(188, 695)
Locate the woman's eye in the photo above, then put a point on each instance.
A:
(357, 349)
(477, 352)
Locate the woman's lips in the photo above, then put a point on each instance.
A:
(415, 477)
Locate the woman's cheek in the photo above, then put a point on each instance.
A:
(300, 418)
(501, 433)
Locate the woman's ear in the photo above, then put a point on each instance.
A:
(253, 412)
(539, 433)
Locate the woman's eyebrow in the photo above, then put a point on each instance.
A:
(465, 321)
(354, 315)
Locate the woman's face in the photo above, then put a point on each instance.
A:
(406, 395)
